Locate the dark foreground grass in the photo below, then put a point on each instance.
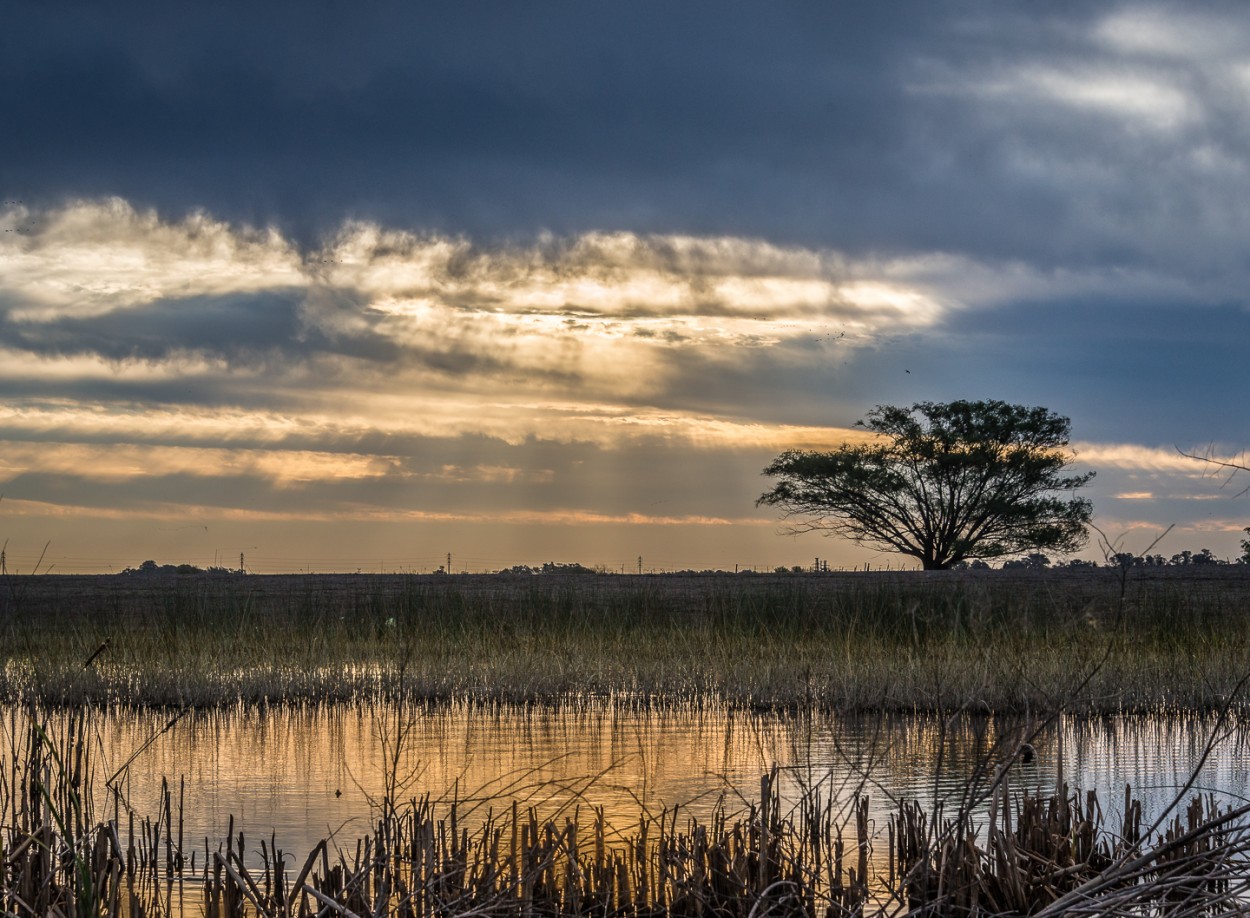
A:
(1084, 641)
(62, 852)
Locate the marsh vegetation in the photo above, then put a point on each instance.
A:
(948, 646)
(1091, 641)
(72, 842)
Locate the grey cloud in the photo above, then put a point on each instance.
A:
(270, 332)
(1129, 371)
(240, 327)
(264, 390)
(892, 128)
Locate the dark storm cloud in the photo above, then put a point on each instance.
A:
(799, 122)
(1056, 133)
(1116, 367)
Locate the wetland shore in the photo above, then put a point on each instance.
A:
(1089, 641)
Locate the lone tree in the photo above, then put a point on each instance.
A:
(942, 482)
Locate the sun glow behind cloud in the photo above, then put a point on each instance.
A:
(99, 289)
(162, 369)
(93, 258)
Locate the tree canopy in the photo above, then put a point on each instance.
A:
(942, 482)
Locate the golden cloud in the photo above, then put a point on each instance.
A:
(115, 462)
(93, 257)
(594, 317)
(179, 512)
(435, 417)
(1134, 456)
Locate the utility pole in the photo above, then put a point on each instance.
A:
(640, 565)
(449, 562)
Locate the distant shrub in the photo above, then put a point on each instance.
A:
(150, 568)
(551, 567)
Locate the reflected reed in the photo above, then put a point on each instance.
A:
(65, 852)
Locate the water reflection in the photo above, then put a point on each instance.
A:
(307, 773)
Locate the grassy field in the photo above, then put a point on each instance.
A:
(1089, 641)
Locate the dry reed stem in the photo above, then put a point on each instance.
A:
(1046, 855)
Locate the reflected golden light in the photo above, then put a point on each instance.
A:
(301, 774)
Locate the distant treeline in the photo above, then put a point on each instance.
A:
(1124, 559)
(1033, 562)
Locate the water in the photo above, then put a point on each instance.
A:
(300, 775)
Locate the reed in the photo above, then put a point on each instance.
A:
(1035, 853)
(1053, 855)
(999, 642)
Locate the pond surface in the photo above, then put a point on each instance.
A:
(301, 775)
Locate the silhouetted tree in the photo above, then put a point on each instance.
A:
(1245, 548)
(974, 565)
(942, 482)
(1036, 561)
(1078, 564)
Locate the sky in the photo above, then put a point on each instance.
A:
(359, 286)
